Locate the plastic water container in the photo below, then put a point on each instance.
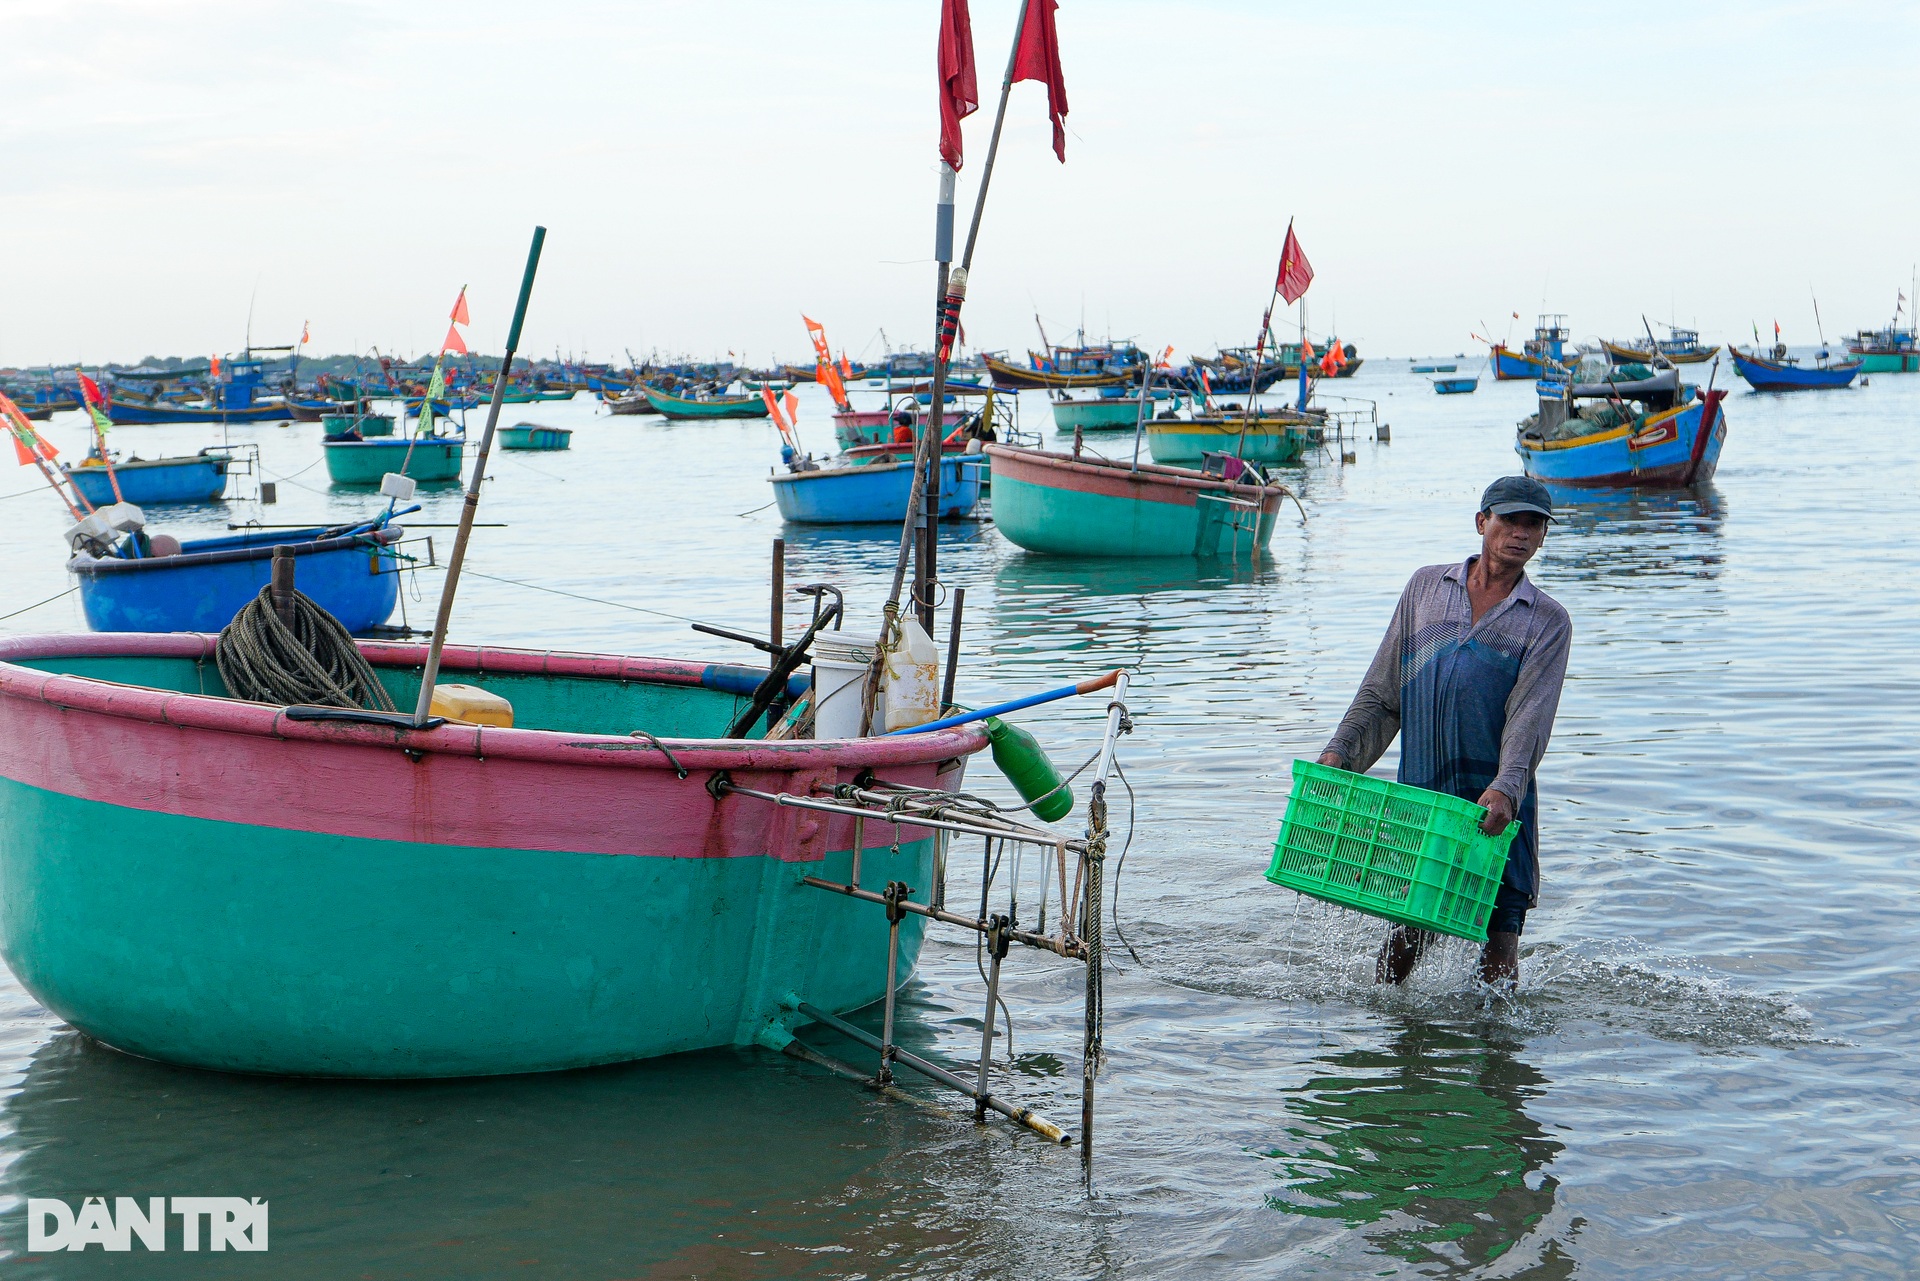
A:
(839, 668)
(471, 705)
(913, 679)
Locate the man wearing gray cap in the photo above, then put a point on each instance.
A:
(1469, 677)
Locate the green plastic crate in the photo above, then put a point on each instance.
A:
(1402, 853)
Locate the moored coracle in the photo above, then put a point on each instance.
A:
(215, 883)
(149, 482)
(1087, 506)
(349, 571)
(364, 462)
(1266, 440)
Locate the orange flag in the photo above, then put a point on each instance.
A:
(846, 368)
(454, 341)
(27, 443)
(791, 403)
(460, 316)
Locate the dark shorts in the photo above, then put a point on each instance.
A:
(1509, 911)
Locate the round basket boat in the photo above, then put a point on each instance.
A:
(218, 883)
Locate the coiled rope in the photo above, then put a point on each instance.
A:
(314, 662)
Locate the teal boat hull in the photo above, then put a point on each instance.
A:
(553, 900)
(1058, 505)
(364, 462)
(531, 437)
(1185, 443)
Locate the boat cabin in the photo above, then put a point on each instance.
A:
(1550, 337)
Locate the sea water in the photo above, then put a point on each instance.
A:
(1708, 1069)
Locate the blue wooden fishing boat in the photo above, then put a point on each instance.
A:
(349, 570)
(874, 493)
(1434, 369)
(238, 395)
(1455, 386)
(1540, 356)
(1786, 373)
(197, 478)
(1654, 431)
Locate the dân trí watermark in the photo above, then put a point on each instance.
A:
(232, 1223)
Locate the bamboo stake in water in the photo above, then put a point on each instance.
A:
(472, 505)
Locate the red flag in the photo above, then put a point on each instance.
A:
(454, 341)
(959, 91)
(460, 310)
(1038, 58)
(303, 333)
(90, 391)
(1296, 273)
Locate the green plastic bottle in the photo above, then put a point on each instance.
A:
(1019, 756)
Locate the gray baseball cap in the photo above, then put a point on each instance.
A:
(1512, 494)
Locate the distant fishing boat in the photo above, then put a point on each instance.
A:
(1542, 355)
(1098, 413)
(237, 394)
(689, 407)
(1455, 386)
(1681, 346)
(153, 482)
(874, 493)
(1269, 438)
(252, 888)
(1434, 369)
(1008, 375)
(632, 402)
(534, 397)
(1649, 431)
(1068, 506)
(533, 436)
(347, 570)
(1885, 351)
(1785, 373)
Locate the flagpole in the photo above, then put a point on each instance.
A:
(431, 671)
(925, 495)
(953, 293)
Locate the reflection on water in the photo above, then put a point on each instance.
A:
(633, 1171)
(1626, 534)
(1424, 1144)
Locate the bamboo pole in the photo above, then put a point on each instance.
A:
(952, 286)
(472, 505)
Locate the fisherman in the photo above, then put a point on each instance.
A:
(1470, 669)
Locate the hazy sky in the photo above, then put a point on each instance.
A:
(708, 170)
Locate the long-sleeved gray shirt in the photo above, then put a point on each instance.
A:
(1472, 702)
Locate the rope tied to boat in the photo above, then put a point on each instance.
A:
(314, 662)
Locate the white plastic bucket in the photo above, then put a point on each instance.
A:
(839, 669)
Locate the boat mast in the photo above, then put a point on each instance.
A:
(924, 514)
